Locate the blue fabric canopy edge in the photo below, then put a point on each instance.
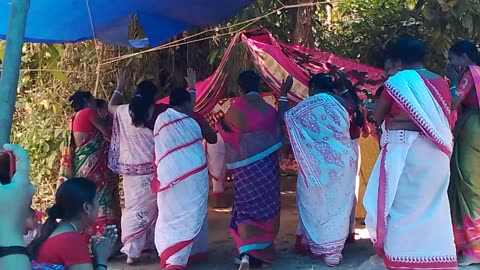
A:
(64, 21)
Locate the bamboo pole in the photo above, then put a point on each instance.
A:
(11, 66)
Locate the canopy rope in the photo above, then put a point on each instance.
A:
(182, 41)
(185, 40)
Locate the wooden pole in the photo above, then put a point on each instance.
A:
(11, 66)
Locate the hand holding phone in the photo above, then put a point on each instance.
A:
(15, 197)
(7, 167)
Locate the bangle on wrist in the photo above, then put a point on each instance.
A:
(101, 265)
(283, 98)
(192, 90)
(118, 92)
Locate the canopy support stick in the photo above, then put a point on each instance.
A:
(11, 66)
(96, 44)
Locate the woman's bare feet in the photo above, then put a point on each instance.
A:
(467, 261)
(132, 261)
(245, 263)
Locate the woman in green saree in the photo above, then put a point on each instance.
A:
(464, 190)
(85, 154)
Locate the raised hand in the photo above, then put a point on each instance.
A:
(191, 79)
(102, 247)
(121, 79)
(453, 74)
(287, 84)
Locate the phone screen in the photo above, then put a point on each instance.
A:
(5, 174)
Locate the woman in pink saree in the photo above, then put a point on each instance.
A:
(318, 128)
(406, 200)
(252, 135)
(131, 155)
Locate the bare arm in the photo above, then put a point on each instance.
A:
(382, 107)
(282, 109)
(100, 124)
(283, 100)
(208, 133)
(117, 97)
(191, 79)
(115, 101)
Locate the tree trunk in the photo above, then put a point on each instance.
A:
(11, 66)
(302, 19)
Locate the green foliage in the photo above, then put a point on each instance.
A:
(360, 29)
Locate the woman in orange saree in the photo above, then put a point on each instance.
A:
(85, 154)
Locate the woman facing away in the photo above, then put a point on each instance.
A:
(62, 243)
(85, 154)
(358, 127)
(318, 128)
(252, 135)
(181, 180)
(464, 190)
(131, 155)
(406, 200)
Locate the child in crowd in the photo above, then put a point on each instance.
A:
(33, 226)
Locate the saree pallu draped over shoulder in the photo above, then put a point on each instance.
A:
(318, 128)
(464, 190)
(90, 161)
(252, 136)
(406, 198)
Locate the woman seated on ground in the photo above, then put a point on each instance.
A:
(62, 243)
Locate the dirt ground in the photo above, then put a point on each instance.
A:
(221, 244)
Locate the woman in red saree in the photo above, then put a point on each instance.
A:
(464, 190)
(85, 154)
(406, 200)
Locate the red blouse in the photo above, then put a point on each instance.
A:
(83, 121)
(355, 130)
(65, 249)
(438, 82)
(466, 90)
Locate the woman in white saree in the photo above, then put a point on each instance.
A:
(408, 215)
(318, 128)
(131, 155)
(181, 184)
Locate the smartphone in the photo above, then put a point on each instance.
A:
(7, 167)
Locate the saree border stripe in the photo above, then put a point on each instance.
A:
(179, 148)
(170, 123)
(257, 157)
(158, 189)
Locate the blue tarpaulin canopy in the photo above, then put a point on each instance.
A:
(61, 21)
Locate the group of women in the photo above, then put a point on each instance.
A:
(158, 150)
